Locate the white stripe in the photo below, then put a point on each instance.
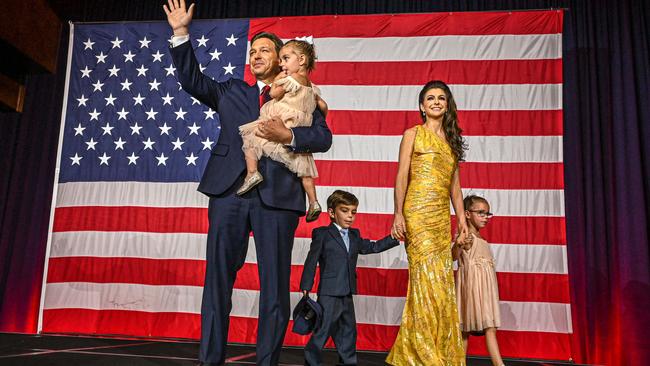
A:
(518, 258)
(493, 149)
(123, 296)
(510, 202)
(518, 316)
(128, 245)
(434, 48)
(130, 194)
(468, 97)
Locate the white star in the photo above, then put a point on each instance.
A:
(180, 114)
(79, 130)
(138, 99)
(207, 144)
(191, 159)
(101, 57)
(132, 159)
(162, 159)
(148, 144)
(116, 43)
(170, 70)
(215, 54)
(167, 99)
(209, 114)
(178, 144)
(110, 99)
(94, 114)
(144, 42)
(98, 86)
(122, 114)
(164, 130)
(194, 129)
(135, 129)
(75, 159)
(85, 72)
(114, 70)
(82, 101)
(119, 144)
(202, 41)
(142, 71)
(88, 44)
(107, 129)
(157, 56)
(91, 144)
(195, 101)
(231, 40)
(151, 114)
(154, 85)
(128, 57)
(126, 84)
(229, 69)
(103, 159)
(180, 87)
(202, 68)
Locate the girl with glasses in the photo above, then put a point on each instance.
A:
(477, 292)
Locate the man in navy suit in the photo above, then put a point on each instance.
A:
(271, 210)
(336, 248)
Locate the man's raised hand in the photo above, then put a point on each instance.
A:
(178, 16)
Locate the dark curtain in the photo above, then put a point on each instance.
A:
(607, 165)
(607, 177)
(28, 149)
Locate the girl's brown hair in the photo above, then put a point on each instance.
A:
(306, 49)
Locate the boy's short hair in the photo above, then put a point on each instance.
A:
(469, 201)
(340, 197)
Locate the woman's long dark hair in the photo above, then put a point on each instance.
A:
(450, 119)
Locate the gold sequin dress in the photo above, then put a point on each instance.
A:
(430, 332)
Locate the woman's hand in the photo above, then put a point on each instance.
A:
(178, 17)
(463, 230)
(398, 230)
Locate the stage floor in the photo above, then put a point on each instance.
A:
(27, 350)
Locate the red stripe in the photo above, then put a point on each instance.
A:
(463, 72)
(538, 287)
(131, 218)
(244, 330)
(473, 123)
(411, 25)
(145, 271)
(371, 281)
(503, 230)
(475, 175)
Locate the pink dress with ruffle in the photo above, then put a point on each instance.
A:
(295, 110)
(477, 291)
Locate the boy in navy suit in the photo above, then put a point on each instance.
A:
(336, 248)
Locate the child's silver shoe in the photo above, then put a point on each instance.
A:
(313, 212)
(250, 183)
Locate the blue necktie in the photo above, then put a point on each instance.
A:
(346, 238)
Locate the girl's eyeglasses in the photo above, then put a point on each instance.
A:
(482, 213)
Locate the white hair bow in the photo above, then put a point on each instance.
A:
(308, 39)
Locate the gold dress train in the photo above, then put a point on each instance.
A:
(430, 332)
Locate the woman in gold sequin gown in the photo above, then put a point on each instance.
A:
(427, 177)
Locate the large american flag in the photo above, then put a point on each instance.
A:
(127, 242)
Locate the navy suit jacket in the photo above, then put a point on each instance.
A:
(238, 103)
(338, 267)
